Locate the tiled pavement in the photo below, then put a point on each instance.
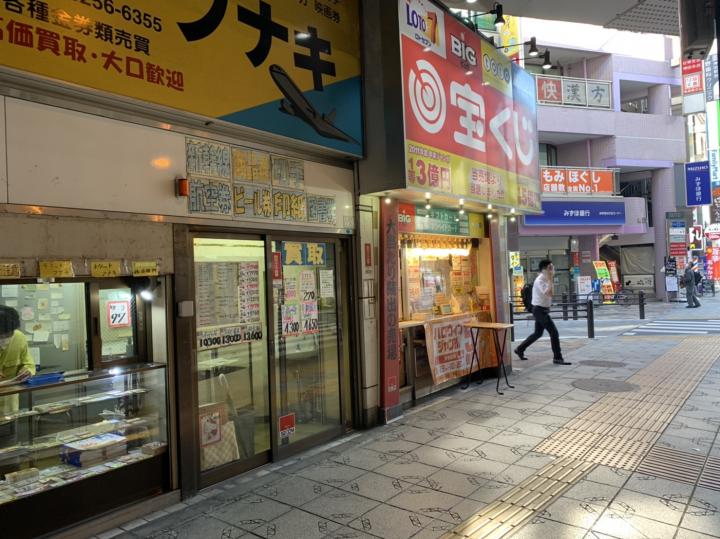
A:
(466, 452)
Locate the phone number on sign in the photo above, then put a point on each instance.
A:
(126, 12)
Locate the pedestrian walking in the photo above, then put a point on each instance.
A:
(542, 293)
(690, 287)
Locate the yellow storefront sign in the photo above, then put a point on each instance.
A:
(476, 225)
(144, 268)
(439, 171)
(496, 70)
(105, 268)
(10, 270)
(241, 60)
(56, 269)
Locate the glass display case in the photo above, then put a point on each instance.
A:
(79, 426)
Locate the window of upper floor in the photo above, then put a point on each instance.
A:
(548, 155)
(638, 105)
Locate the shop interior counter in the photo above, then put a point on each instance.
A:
(101, 431)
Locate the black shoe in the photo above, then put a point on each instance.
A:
(561, 361)
(690, 307)
(520, 354)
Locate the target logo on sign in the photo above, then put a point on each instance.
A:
(427, 96)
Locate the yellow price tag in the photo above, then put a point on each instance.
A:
(144, 268)
(12, 270)
(105, 268)
(59, 269)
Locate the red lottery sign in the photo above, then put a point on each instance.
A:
(469, 112)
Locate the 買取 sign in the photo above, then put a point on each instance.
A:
(289, 68)
(561, 213)
(697, 183)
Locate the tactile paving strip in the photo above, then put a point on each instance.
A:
(620, 429)
(710, 477)
(672, 464)
(531, 496)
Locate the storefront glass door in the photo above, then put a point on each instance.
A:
(306, 344)
(232, 360)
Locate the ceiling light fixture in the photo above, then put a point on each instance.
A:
(489, 206)
(497, 10)
(533, 48)
(388, 200)
(512, 219)
(533, 51)
(547, 64)
(512, 210)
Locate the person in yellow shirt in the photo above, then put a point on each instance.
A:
(16, 364)
(15, 360)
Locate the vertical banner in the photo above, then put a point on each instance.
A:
(711, 78)
(603, 273)
(390, 302)
(692, 76)
(527, 159)
(697, 184)
(692, 86)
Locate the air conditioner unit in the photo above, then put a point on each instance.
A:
(697, 27)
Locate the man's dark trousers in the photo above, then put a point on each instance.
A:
(542, 322)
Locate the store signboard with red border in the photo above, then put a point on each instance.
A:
(572, 181)
(549, 90)
(469, 112)
(692, 77)
(678, 249)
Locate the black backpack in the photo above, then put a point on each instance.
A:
(526, 295)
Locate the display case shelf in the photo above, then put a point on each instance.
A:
(60, 433)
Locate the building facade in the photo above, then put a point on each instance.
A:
(609, 108)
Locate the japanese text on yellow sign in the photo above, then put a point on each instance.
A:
(212, 57)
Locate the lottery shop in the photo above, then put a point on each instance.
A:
(442, 257)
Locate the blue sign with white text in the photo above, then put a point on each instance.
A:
(562, 213)
(697, 183)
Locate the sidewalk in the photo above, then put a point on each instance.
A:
(612, 320)
(546, 460)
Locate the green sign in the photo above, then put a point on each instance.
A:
(441, 221)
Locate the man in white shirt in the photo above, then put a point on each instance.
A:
(542, 294)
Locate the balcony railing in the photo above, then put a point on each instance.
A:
(572, 92)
